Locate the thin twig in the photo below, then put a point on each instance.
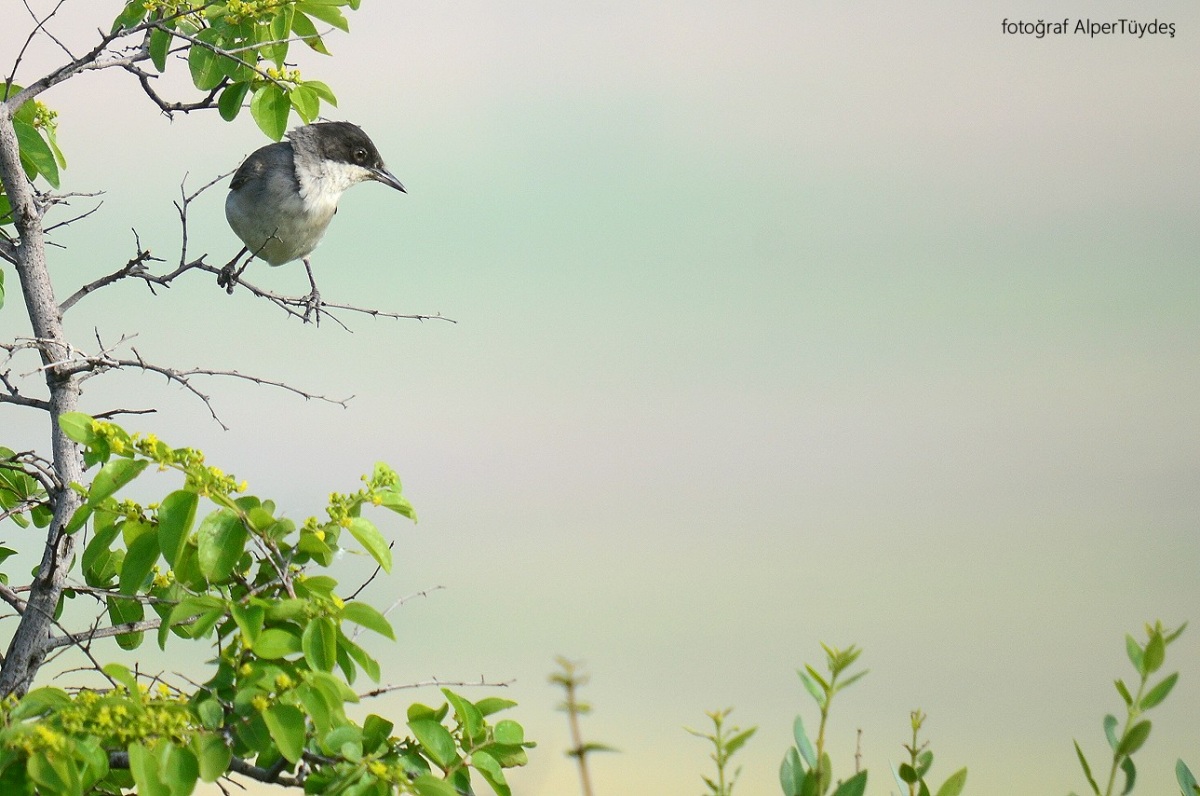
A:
(482, 681)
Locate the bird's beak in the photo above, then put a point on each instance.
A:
(387, 178)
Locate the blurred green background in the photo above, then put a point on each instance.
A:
(777, 323)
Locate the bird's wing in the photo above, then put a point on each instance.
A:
(258, 162)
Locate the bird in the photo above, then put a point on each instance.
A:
(283, 196)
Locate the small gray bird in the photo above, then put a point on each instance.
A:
(283, 196)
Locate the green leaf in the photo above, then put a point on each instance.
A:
(1187, 781)
(123, 611)
(211, 714)
(855, 786)
(303, 27)
(1124, 692)
(286, 725)
(508, 732)
(489, 705)
(131, 16)
(811, 686)
(274, 643)
(491, 770)
(280, 30)
(376, 730)
(36, 155)
(370, 538)
(1110, 731)
(1158, 693)
(112, 476)
(39, 701)
(909, 774)
(791, 772)
(77, 426)
(319, 643)
(358, 654)
(249, 619)
(178, 768)
(222, 540)
(802, 743)
(436, 740)
(1130, 770)
(208, 67)
(739, 740)
(1155, 653)
(325, 13)
(322, 90)
(160, 43)
(306, 103)
(54, 775)
(429, 785)
(1134, 739)
(346, 741)
(468, 716)
(229, 104)
(143, 765)
(270, 108)
(1134, 651)
(955, 784)
(212, 754)
(852, 679)
(138, 562)
(98, 560)
(924, 762)
(366, 615)
(175, 517)
(1087, 770)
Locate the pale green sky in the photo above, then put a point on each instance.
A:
(779, 323)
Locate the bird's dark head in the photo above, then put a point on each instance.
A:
(344, 144)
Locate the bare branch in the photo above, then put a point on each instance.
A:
(12, 598)
(101, 632)
(135, 267)
(38, 28)
(482, 681)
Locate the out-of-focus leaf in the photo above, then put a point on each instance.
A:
(955, 784)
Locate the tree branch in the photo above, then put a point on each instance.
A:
(53, 642)
(482, 681)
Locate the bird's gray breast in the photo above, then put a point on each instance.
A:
(266, 210)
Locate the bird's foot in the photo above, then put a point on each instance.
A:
(312, 306)
(228, 277)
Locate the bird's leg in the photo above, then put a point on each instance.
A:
(228, 276)
(312, 302)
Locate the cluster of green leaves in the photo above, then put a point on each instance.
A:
(237, 49)
(726, 741)
(911, 775)
(1147, 660)
(57, 744)
(239, 577)
(807, 769)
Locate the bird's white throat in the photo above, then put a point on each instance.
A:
(322, 182)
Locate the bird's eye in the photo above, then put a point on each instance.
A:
(360, 154)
